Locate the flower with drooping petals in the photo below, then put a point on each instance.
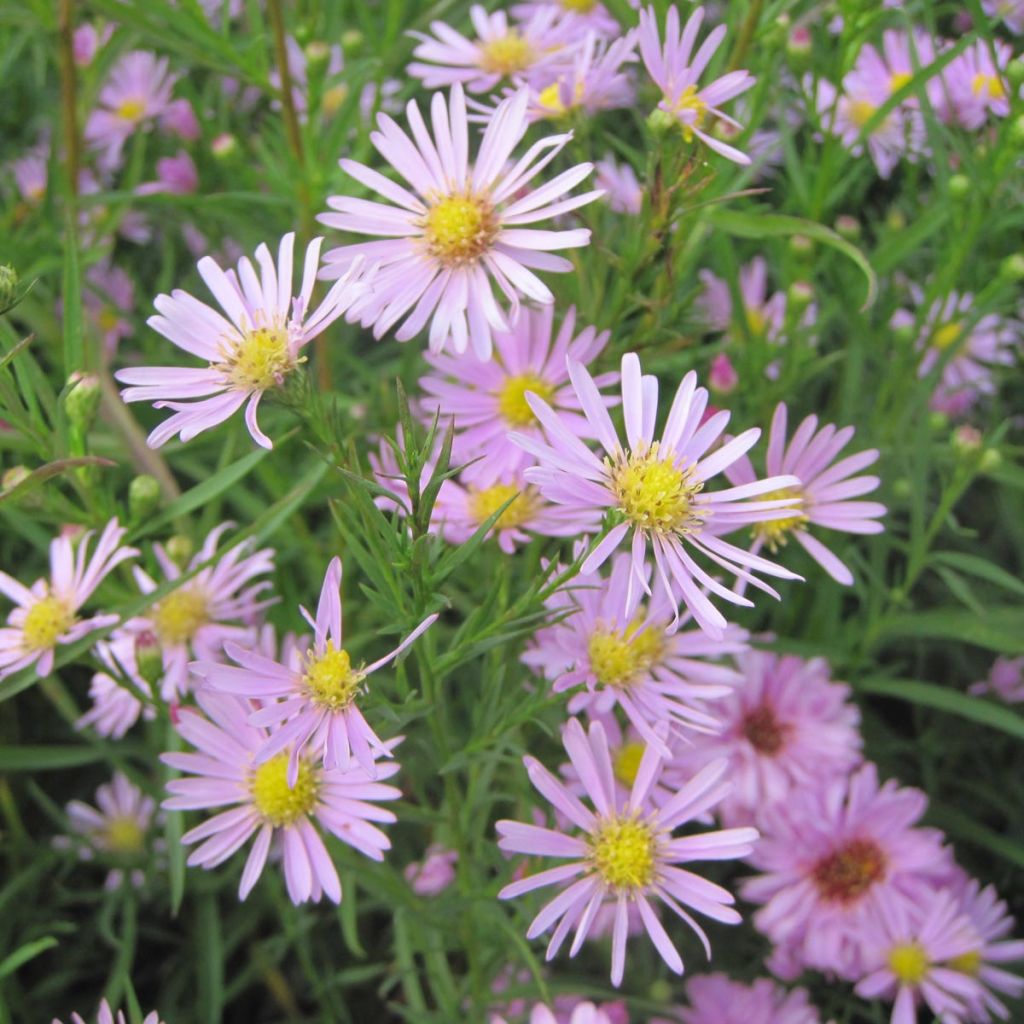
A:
(824, 490)
(623, 853)
(676, 70)
(119, 694)
(434, 873)
(717, 999)
(1011, 12)
(248, 354)
(175, 174)
(487, 400)
(1005, 680)
(224, 772)
(973, 85)
(105, 1015)
(313, 701)
(464, 228)
(655, 489)
(47, 612)
(622, 190)
(786, 726)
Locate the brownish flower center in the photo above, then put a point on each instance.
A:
(765, 733)
(848, 872)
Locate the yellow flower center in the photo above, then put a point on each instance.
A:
(860, 112)
(108, 318)
(899, 79)
(848, 872)
(278, 803)
(484, 503)
(131, 110)
(330, 679)
(623, 853)
(123, 834)
(550, 98)
(909, 962)
(579, 6)
(689, 100)
(774, 531)
(756, 322)
(512, 404)
(178, 616)
(260, 361)
(47, 620)
(626, 762)
(507, 55)
(947, 335)
(654, 494)
(967, 963)
(333, 99)
(990, 84)
(459, 229)
(616, 659)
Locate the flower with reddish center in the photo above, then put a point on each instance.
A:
(716, 999)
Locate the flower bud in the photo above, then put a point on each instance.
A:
(991, 460)
(722, 377)
(351, 40)
(1017, 131)
(149, 658)
(904, 334)
(1015, 72)
(318, 53)
(1012, 268)
(895, 221)
(938, 421)
(901, 488)
(959, 186)
(798, 48)
(8, 286)
(143, 497)
(180, 548)
(224, 146)
(12, 477)
(966, 440)
(848, 227)
(660, 122)
(801, 246)
(82, 401)
(799, 295)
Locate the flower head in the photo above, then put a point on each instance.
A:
(434, 873)
(1005, 680)
(623, 853)
(973, 85)
(587, 15)
(621, 187)
(1011, 11)
(251, 352)
(109, 299)
(119, 693)
(105, 1015)
(717, 999)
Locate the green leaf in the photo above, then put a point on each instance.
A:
(49, 471)
(48, 757)
(23, 954)
(74, 347)
(15, 349)
(981, 568)
(999, 629)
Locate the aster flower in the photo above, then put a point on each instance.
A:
(248, 354)
(656, 488)
(902, 56)
(1005, 680)
(622, 189)
(434, 873)
(198, 617)
(830, 856)
(786, 726)
(109, 299)
(582, 1013)
(260, 800)
(488, 399)
(319, 696)
(119, 694)
(1010, 11)
(623, 852)
(31, 172)
(298, 65)
(717, 999)
(823, 492)
(587, 15)
(46, 614)
(676, 70)
(175, 174)
(462, 229)
(106, 1016)
(500, 52)
(623, 655)
(973, 85)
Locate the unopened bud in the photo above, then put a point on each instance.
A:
(848, 227)
(660, 122)
(798, 48)
(180, 548)
(959, 186)
(8, 286)
(351, 40)
(801, 246)
(1017, 131)
(224, 146)
(966, 439)
(12, 477)
(1012, 268)
(149, 659)
(904, 334)
(82, 401)
(991, 460)
(901, 488)
(333, 99)
(799, 295)
(895, 220)
(143, 497)
(938, 421)
(722, 377)
(1015, 72)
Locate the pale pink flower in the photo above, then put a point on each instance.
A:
(902, 56)
(717, 999)
(175, 174)
(655, 489)
(87, 40)
(178, 118)
(587, 15)
(46, 614)
(582, 1013)
(973, 86)
(622, 190)
(30, 175)
(623, 852)
(298, 66)
(109, 300)
(1011, 12)
(252, 352)
(261, 801)
(106, 1016)
(464, 227)
(434, 873)
(119, 694)
(1005, 680)
(314, 701)
(676, 70)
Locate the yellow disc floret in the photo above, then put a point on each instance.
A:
(512, 402)
(131, 110)
(260, 361)
(775, 532)
(655, 494)
(507, 55)
(459, 228)
(623, 851)
(947, 335)
(178, 616)
(47, 620)
(909, 962)
(123, 834)
(991, 85)
(690, 100)
(860, 112)
(330, 679)
(900, 79)
(485, 502)
(626, 762)
(967, 963)
(579, 6)
(278, 803)
(618, 658)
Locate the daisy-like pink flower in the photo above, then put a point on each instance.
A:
(261, 802)
(901, 57)
(251, 352)
(488, 399)
(1005, 680)
(461, 227)
(119, 694)
(587, 15)
(823, 493)
(623, 853)
(105, 1015)
(623, 655)
(46, 614)
(217, 604)
(621, 187)
(1010, 11)
(31, 172)
(314, 701)
(582, 1013)
(973, 85)
(655, 489)
(830, 856)
(785, 726)
(175, 174)
(109, 299)
(500, 52)
(677, 70)
(717, 999)
(434, 873)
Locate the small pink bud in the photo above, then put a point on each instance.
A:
(722, 377)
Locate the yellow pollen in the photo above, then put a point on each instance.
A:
(261, 360)
(690, 100)
(512, 398)
(774, 532)
(46, 621)
(277, 803)
(967, 963)
(131, 110)
(909, 962)
(860, 112)
(459, 229)
(108, 319)
(179, 615)
(507, 55)
(756, 322)
(626, 762)
(330, 679)
(654, 494)
(992, 85)
(623, 853)
(123, 834)
(947, 335)
(579, 6)
(484, 503)
(899, 79)
(333, 99)
(550, 98)
(616, 659)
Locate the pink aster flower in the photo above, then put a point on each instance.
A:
(119, 694)
(109, 300)
(676, 70)
(1010, 11)
(973, 86)
(248, 354)
(87, 40)
(587, 15)
(623, 853)
(622, 189)
(823, 491)
(106, 1016)
(582, 1013)
(333, 90)
(487, 400)
(902, 56)
(624, 657)
(219, 603)
(717, 999)
(30, 175)
(1005, 680)
(500, 52)
(463, 227)
(434, 873)
(830, 856)
(175, 174)
(314, 702)
(656, 488)
(786, 726)
(46, 614)
(262, 802)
